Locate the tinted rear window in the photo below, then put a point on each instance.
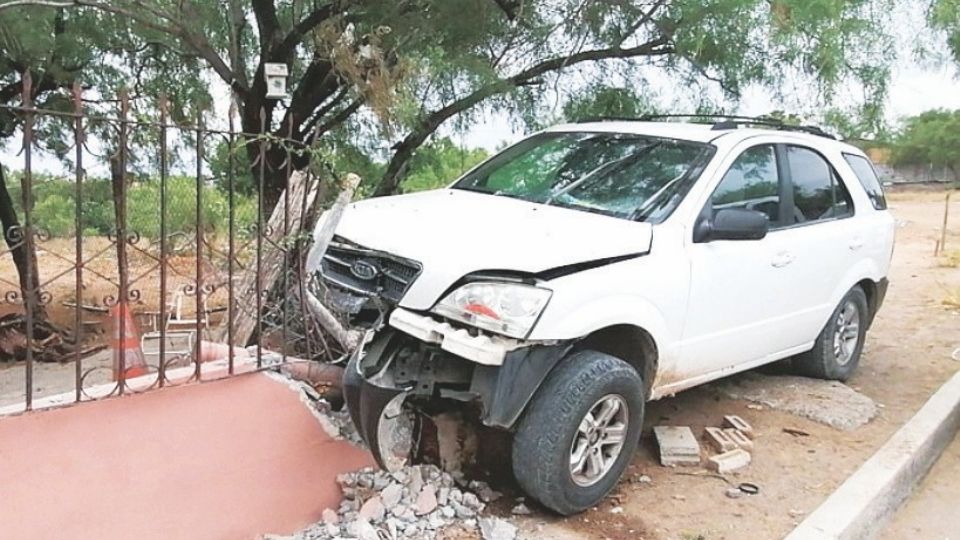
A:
(868, 179)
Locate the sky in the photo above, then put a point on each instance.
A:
(914, 88)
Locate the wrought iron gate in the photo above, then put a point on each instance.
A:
(203, 264)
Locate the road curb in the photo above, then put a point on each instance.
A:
(861, 506)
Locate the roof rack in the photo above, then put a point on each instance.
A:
(720, 122)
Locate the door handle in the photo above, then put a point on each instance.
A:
(856, 243)
(782, 259)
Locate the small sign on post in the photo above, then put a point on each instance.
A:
(276, 76)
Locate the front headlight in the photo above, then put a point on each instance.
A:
(505, 308)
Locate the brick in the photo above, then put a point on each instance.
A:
(678, 446)
(736, 422)
(739, 438)
(729, 461)
(720, 440)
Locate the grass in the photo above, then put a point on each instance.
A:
(950, 259)
(951, 298)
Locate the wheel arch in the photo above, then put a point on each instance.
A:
(630, 343)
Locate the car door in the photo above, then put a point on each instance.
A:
(736, 304)
(822, 241)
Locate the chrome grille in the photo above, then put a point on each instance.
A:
(368, 272)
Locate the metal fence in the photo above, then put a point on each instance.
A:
(226, 271)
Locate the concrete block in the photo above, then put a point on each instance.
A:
(736, 422)
(738, 438)
(729, 461)
(678, 446)
(720, 440)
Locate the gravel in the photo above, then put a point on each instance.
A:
(413, 503)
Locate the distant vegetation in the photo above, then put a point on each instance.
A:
(931, 138)
(54, 198)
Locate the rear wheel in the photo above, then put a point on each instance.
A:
(579, 432)
(836, 353)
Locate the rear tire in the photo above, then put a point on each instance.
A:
(836, 353)
(579, 432)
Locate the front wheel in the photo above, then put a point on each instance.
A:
(579, 432)
(836, 353)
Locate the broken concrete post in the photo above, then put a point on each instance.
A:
(325, 378)
(678, 446)
(322, 236)
(287, 212)
(729, 461)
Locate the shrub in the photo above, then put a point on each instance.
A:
(56, 214)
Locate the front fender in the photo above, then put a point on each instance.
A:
(560, 322)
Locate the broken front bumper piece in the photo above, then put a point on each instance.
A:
(481, 348)
(428, 361)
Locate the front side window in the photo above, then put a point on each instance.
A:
(752, 182)
(867, 176)
(622, 175)
(817, 190)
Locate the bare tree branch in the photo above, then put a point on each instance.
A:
(405, 149)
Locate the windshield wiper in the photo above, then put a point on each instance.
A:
(601, 169)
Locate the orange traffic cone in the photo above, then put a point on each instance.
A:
(127, 348)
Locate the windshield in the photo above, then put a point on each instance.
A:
(621, 175)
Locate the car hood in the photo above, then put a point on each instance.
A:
(455, 232)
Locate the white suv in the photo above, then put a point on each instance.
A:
(564, 282)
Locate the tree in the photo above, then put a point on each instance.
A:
(604, 101)
(727, 43)
(945, 16)
(438, 163)
(414, 65)
(931, 138)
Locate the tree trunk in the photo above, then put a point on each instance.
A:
(18, 250)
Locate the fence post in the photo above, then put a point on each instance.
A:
(78, 139)
(162, 362)
(119, 185)
(26, 188)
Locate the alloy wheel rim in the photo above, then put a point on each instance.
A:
(847, 333)
(599, 440)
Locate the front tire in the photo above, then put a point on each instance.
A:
(579, 432)
(836, 353)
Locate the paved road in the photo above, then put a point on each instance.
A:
(933, 511)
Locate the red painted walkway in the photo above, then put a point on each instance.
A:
(231, 459)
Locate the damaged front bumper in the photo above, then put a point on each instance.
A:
(420, 362)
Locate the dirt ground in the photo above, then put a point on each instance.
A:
(907, 356)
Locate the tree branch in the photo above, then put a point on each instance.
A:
(289, 43)
(508, 8)
(326, 108)
(405, 149)
(340, 117)
(268, 25)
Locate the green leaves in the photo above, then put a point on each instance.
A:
(932, 138)
(945, 16)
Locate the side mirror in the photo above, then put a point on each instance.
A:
(733, 224)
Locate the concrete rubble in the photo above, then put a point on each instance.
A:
(827, 402)
(416, 502)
